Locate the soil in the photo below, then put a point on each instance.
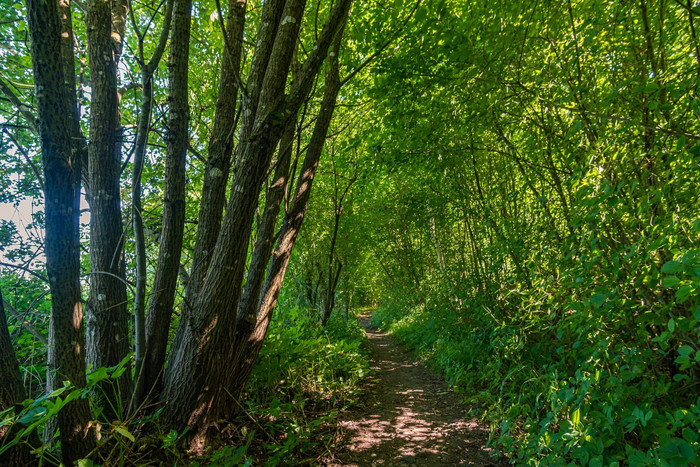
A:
(408, 417)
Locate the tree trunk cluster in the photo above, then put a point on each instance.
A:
(226, 311)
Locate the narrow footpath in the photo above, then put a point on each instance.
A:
(407, 416)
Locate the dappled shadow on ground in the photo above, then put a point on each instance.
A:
(408, 417)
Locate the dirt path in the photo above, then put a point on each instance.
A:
(407, 416)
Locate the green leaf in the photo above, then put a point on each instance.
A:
(683, 293)
(96, 376)
(670, 281)
(671, 267)
(124, 432)
(686, 450)
(680, 143)
(32, 415)
(576, 417)
(598, 300)
(690, 435)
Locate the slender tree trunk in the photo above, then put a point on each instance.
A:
(11, 393)
(107, 320)
(142, 132)
(165, 283)
(216, 174)
(247, 346)
(247, 310)
(334, 271)
(61, 178)
(80, 148)
(329, 304)
(139, 235)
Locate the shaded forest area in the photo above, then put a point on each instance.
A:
(512, 186)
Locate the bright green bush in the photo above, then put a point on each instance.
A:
(304, 376)
(300, 356)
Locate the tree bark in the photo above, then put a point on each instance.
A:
(80, 148)
(107, 320)
(69, 79)
(247, 310)
(11, 393)
(216, 173)
(247, 345)
(213, 317)
(62, 178)
(165, 282)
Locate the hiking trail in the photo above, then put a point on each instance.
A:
(407, 416)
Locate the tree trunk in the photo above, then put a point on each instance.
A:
(247, 346)
(216, 174)
(200, 366)
(142, 132)
(11, 393)
(80, 148)
(212, 323)
(160, 308)
(69, 79)
(62, 179)
(107, 320)
(334, 266)
(247, 310)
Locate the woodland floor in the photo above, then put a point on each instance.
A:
(407, 416)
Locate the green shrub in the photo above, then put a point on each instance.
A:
(568, 384)
(304, 376)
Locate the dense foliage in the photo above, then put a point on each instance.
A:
(516, 184)
(537, 221)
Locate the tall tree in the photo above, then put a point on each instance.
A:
(107, 320)
(165, 282)
(220, 154)
(255, 313)
(144, 126)
(61, 168)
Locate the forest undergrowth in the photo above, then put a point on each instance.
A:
(565, 381)
(304, 377)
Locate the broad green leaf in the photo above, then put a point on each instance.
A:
(672, 267)
(670, 281)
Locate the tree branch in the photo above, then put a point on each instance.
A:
(23, 109)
